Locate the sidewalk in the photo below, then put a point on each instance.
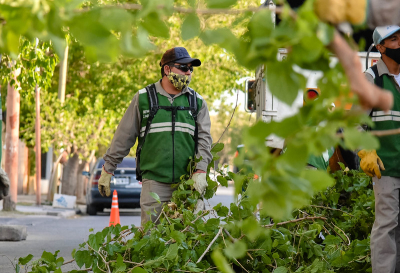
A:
(26, 204)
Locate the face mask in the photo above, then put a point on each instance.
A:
(393, 54)
(178, 80)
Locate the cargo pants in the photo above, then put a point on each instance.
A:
(385, 235)
(148, 203)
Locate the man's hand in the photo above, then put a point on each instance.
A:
(4, 184)
(104, 183)
(200, 181)
(370, 163)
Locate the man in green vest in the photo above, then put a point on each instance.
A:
(167, 136)
(384, 164)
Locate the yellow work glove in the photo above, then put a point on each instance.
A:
(104, 183)
(339, 11)
(370, 163)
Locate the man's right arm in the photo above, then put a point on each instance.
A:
(125, 136)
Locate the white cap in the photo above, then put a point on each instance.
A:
(381, 33)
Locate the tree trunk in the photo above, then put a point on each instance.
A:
(69, 175)
(12, 141)
(80, 186)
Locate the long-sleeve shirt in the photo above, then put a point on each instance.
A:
(129, 129)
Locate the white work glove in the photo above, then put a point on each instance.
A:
(4, 184)
(200, 182)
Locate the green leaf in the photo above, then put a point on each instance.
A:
(172, 252)
(221, 262)
(25, 260)
(138, 270)
(332, 240)
(83, 257)
(236, 250)
(222, 180)
(190, 27)
(48, 257)
(121, 266)
(212, 224)
(284, 82)
(155, 26)
(220, 4)
(217, 147)
(178, 236)
(155, 196)
(280, 269)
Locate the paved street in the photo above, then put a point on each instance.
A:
(52, 233)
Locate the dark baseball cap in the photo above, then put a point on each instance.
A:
(178, 55)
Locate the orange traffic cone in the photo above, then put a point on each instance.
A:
(114, 217)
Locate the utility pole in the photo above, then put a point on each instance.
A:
(12, 138)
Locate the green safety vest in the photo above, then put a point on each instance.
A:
(389, 150)
(165, 154)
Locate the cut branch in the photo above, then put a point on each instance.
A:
(209, 246)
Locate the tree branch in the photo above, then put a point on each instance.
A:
(209, 246)
(229, 123)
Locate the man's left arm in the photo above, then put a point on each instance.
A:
(204, 137)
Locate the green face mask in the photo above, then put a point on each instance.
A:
(178, 80)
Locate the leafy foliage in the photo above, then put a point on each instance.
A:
(329, 235)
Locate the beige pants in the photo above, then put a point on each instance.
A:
(385, 235)
(148, 203)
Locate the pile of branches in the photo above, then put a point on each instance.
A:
(329, 235)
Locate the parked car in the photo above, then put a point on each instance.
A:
(124, 181)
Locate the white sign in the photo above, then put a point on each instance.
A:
(64, 201)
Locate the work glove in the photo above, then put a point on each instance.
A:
(339, 11)
(104, 183)
(200, 184)
(4, 184)
(370, 163)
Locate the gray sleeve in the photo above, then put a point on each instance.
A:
(205, 139)
(125, 136)
(383, 12)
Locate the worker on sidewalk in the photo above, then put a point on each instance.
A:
(384, 164)
(172, 124)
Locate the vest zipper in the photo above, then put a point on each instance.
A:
(173, 114)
